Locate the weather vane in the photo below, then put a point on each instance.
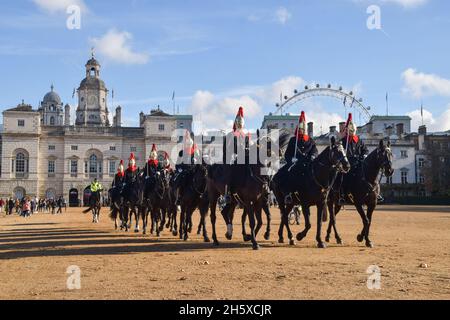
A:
(93, 52)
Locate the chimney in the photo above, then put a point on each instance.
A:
(423, 130)
(114, 121)
(141, 119)
(311, 129)
(119, 116)
(333, 129)
(341, 127)
(67, 115)
(400, 129)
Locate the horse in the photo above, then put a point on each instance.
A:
(194, 196)
(251, 178)
(116, 206)
(132, 200)
(94, 206)
(310, 186)
(153, 195)
(360, 187)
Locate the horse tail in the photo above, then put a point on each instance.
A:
(87, 210)
(325, 213)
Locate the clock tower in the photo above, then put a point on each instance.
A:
(92, 97)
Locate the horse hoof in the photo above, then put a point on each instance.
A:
(216, 243)
(327, 239)
(267, 236)
(255, 246)
(291, 242)
(136, 230)
(228, 236)
(321, 245)
(206, 239)
(174, 233)
(339, 241)
(190, 230)
(360, 238)
(247, 237)
(281, 240)
(300, 237)
(369, 244)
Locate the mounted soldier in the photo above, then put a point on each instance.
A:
(119, 177)
(152, 164)
(165, 165)
(236, 154)
(187, 158)
(96, 187)
(131, 172)
(301, 150)
(356, 152)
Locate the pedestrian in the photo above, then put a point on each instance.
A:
(26, 207)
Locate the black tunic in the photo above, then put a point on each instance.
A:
(306, 150)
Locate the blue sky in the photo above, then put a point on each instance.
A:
(220, 54)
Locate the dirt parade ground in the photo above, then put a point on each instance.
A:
(412, 254)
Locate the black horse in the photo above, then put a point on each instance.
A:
(116, 212)
(194, 196)
(132, 200)
(153, 197)
(94, 206)
(360, 187)
(310, 186)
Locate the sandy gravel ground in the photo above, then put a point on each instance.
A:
(412, 250)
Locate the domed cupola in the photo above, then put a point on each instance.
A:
(51, 109)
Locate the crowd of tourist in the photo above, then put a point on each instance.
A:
(28, 205)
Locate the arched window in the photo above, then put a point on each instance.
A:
(52, 121)
(20, 163)
(93, 164)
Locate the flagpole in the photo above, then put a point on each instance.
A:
(387, 103)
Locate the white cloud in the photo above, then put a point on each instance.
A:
(420, 84)
(407, 3)
(115, 46)
(219, 113)
(54, 6)
(283, 15)
(440, 123)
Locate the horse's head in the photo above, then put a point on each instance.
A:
(384, 158)
(338, 157)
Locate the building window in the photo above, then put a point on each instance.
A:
(51, 148)
(133, 149)
(404, 154)
(51, 167)
(21, 123)
(112, 148)
(181, 125)
(74, 148)
(73, 168)
(112, 167)
(421, 162)
(93, 164)
(52, 121)
(404, 177)
(161, 127)
(21, 163)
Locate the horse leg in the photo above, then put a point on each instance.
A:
(337, 208)
(188, 219)
(281, 228)
(204, 213)
(251, 218)
(365, 221)
(200, 225)
(269, 220)
(259, 222)
(228, 214)
(245, 236)
(213, 221)
(163, 220)
(157, 219)
(174, 222)
(320, 209)
(370, 209)
(182, 221)
(136, 214)
(306, 215)
(285, 218)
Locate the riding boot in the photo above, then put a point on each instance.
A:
(380, 198)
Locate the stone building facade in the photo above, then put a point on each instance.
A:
(44, 154)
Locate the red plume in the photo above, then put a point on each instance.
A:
(350, 119)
